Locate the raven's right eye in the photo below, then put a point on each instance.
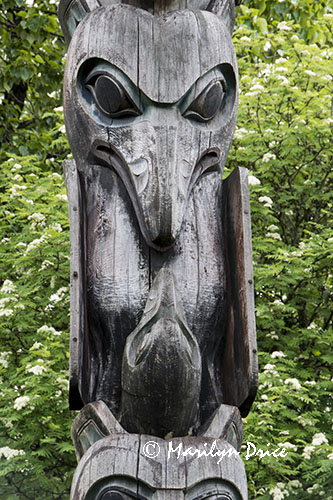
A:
(208, 103)
(110, 96)
(115, 495)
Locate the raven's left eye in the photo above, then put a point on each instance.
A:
(208, 103)
(112, 494)
(111, 97)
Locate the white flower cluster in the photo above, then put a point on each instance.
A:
(294, 484)
(278, 354)
(305, 422)
(310, 73)
(48, 329)
(4, 358)
(272, 335)
(36, 346)
(36, 243)
(267, 45)
(45, 264)
(21, 402)
(266, 200)
(274, 236)
(8, 287)
(4, 310)
(255, 90)
(269, 368)
(61, 197)
(56, 227)
(253, 181)
(279, 492)
(240, 133)
(288, 445)
(36, 369)
(56, 297)
(64, 383)
(9, 453)
(268, 157)
(283, 79)
(312, 489)
(37, 217)
(317, 440)
(310, 382)
(281, 69)
(16, 167)
(283, 26)
(294, 383)
(16, 189)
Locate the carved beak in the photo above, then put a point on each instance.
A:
(159, 183)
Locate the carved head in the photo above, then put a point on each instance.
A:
(155, 99)
(130, 466)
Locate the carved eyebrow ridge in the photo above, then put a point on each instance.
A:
(100, 66)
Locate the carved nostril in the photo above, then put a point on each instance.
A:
(164, 241)
(210, 158)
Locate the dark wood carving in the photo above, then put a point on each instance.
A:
(162, 312)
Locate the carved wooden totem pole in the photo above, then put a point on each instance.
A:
(163, 349)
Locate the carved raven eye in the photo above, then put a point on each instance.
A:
(218, 497)
(207, 104)
(115, 495)
(110, 96)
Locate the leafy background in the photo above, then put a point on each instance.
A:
(284, 137)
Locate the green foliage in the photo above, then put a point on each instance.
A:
(310, 17)
(283, 137)
(36, 454)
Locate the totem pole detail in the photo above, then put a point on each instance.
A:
(162, 316)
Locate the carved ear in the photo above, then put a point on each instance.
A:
(72, 12)
(225, 423)
(226, 9)
(94, 422)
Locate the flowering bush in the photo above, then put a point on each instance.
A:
(283, 137)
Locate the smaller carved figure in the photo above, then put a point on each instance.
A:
(121, 466)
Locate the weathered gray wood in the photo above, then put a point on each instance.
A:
(77, 302)
(143, 180)
(111, 456)
(239, 365)
(161, 372)
(94, 422)
(162, 326)
(225, 423)
(126, 35)
(72, 12)
(182, 468)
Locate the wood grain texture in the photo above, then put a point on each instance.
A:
(77, 295)
(240, 365)
(155, 225)
(72, 12)
(181, 469)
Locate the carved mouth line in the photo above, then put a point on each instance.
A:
(111, 158)
(208, 162)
